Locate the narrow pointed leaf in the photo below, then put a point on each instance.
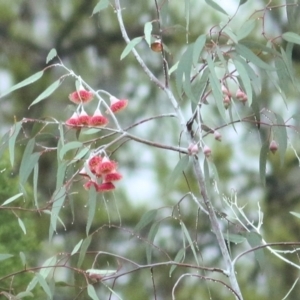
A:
(24, 294)
(145, 220)
(295, 214)
(177, 172)
(91, 292)
(179, 258)
(130, 46)
(147, 31)
(92, 208)
(291, 37)
(151, 236)
(23, 259)
(51, 55)
(100, 6)
(14, 131)
(77, 247)
(83, 250)
(28, 166)
(254, 239)
(11, 199)
(67, 147)
(198, 47)
(246, 29)
(23, 83)
(188, 237)
(46, 93)
(4, 256)
(215, 6)
(50, 262)
(35, 184)
(281, 137)
(43, 283)
(22, 225)
(58, 201)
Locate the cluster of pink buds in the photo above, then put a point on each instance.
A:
(83, 96)
(102, 173)
(242, 96)
(227, 96)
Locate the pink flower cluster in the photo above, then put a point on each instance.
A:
(103, 172)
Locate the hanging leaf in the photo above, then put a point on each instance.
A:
(130, 46)
(58, 201)
(242, 2)
(91, 292)
(35, 184)
(147, 218)
(46, 93)
(215, 6)
(11, 199)
(69, 146)
(27, 152)
(24, 294)
(184, 69)
(151, 236)
(45, 271)
(60, 175)
(248, 54)
(92, 208)
(291, 37)
(245, 29)
(216, 87)
(263, 162)
(295, 214)
(23, 83)
(254, 239)
(77, 247)
(281, 137)
(283, 75)
(23, 259)
(22, 225)
(44, 285)
(176, 173)
(5, 256)
(14, 131)
(230, 34)
(198, 47)
(80, 154)
(100, 6)
(147, 31)
(179, 258)
(83, 250)
(188, 237)
(51, 55)
(245, 80)
(234, 238)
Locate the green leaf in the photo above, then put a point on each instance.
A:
(91, 292)
(58, 201)
(147, 31)
(76, 248)
(80, 154)
(230, 34)
(199, 86)
(291, 37)
(242, 2)
(234, 238)
(249, 55)
(263, 162)
(35, 184)
(215, 6)
(83, 250)
(25, 159)
(179, 168)
(198, 47)
(184, 69)
(4, 143)
(24, 294)
(216, 88)
(14, 131)
(254, 239)
(188, 237)
(281, 137)
(206, 172)
(5, 256)
(22, 225)
(60, 176)
(47, 92)
(44, 285)
(23, 258)
(245, 80)
(292, 11)
(100, 6)
(179, 258)
(151, 236)
(23, 83)
(245, 29)
(145, 220)
(289, 65)
(44, 272)
(130, 46)
(51, 55)
(295, 214)
(28, 166)
(69, 146)
(92, 208)
(283, 76)
(11, 199)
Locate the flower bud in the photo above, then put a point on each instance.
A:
(81, 97)
(207, 151)
(116, 104)
(242, 96)
(193, 149)
(226, 102)
(218, 136)
(273, 146)
(225, 90)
